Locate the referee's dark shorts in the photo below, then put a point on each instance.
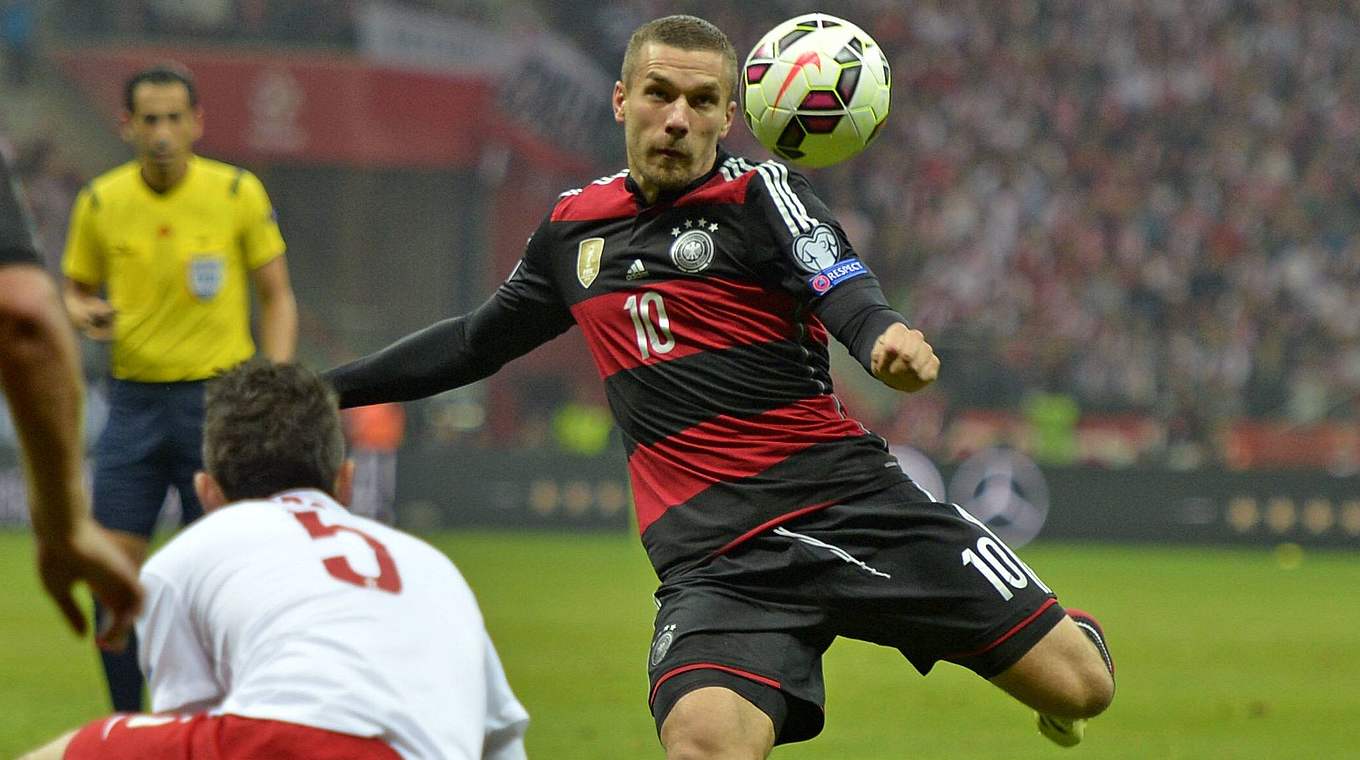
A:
(153, 440)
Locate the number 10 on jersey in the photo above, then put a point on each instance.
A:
(653, 334)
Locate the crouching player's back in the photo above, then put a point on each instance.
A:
(282, 626)
(292, 609)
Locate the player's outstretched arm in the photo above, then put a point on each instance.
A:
(418, 365)
(41, 378)
(523, 313)
(451, 353)
(902, 359)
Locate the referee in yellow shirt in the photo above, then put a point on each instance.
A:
(173, 242)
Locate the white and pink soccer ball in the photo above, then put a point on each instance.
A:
(816, 90)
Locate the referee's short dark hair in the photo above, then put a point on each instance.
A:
(167, 72)
(269, 428)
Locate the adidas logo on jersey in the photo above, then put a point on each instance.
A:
(636, 271)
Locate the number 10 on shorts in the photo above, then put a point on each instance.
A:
(996, 562)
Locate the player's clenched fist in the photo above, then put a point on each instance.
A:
(903, 359)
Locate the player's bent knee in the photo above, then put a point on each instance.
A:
(702, 745)
(1063, 675)
(1084, 688)
(1097, 693)
(1091, 685)
(714, 723)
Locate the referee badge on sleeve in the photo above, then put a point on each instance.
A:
(206, 274)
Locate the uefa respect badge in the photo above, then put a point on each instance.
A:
(836, 274)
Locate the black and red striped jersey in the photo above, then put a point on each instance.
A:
(701, 312)
(707, 313)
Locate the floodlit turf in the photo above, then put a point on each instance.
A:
(1221, 654)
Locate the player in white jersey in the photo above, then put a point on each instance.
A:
(282, 626)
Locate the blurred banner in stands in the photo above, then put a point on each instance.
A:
(458, 487)
(321, 108)
(544, 85)
(455, 487)
(1123, 440)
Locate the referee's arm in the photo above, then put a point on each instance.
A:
(278, 310)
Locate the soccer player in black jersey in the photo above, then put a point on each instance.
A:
(40, 375)
(706, 287)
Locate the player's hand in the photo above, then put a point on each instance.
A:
(92, 315)
(902, 359)
(89, 554)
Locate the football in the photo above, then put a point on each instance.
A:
(816, 90)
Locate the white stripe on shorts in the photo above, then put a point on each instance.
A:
(836, 550)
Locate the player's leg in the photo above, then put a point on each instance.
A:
(126, 736)
(1067, 673)
(735, 664)
(1064, 675)
(935, 582)
(716, 723)
(227, 737)
(735, 693)
(56, 750)
(1067, 678)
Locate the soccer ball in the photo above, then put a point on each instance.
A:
(816, 90)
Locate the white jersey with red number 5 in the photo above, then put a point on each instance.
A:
(293, 609)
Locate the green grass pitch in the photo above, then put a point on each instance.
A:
(1221, 654)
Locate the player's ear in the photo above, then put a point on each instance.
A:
(209, 492)
(619, 97)
(731, 114)
(125, 126)
(198, 122)
(344, 483)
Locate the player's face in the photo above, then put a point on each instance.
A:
(162, 127)
(673, 112)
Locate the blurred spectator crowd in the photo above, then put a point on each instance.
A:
(1148, 208)
(310, 22)
(296, 22)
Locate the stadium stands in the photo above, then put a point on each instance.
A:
(1150, 209)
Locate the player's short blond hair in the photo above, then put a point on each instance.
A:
(685, 33)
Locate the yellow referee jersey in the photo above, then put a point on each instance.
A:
(175, 266)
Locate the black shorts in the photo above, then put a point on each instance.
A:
(152, 441)
(894, 569)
